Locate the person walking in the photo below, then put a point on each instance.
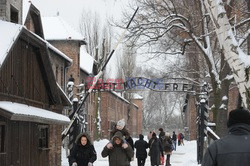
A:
(150, 135)
(174, 139)
(168, 148)
(121, 127)
(181, 139)
(155, 150)
(161, 134)
(141, 153)
(234, 148)
(119, 153)
(83, 153)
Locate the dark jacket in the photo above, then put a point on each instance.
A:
(155, 150)
(82, 154)
(167, 145)
(162, 135)
(174, 137)
(141, 147)
(130, 141)
(232, 150)
(118, 156)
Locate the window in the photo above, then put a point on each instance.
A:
(13, 14)
(43, 136)
(62, 77)
(57, 72)
(2, 137)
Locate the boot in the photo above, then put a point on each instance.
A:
(168, 163)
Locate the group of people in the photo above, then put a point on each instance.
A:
(164, 144)
(234, 149)
(120, 148)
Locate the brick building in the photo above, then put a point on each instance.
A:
(112, 107)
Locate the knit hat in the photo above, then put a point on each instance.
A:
(121, 123)
(238, 116)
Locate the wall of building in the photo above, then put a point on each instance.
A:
(59, 67)
(5, 8)
(112, 108)
(72, 50)
(55, 144)
(139, 118)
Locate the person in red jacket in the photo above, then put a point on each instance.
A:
(179, 139)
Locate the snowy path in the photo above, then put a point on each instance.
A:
(184, 156)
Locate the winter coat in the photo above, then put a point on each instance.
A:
(82, 155)
(232, 150)
(141, 146)
(179, 136)
(130, 141)
(162, 135)
(125, 136)
(118, 156)
(167, 145)
(155, 151)
(174, 137)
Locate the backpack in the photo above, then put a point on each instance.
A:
(168, 145)
(182, 136)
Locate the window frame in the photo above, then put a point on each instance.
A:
(43, 137)
(14, 14)
(3, 126)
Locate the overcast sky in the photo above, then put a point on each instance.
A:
(71, 10)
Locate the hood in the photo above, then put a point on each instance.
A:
(239, 129)
(119, 135)
(141, 137)
(79, 137)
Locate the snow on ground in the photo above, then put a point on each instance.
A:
(183, 156)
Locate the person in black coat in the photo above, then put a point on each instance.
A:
(155, 150)
(233, 149)
(83, 153)
(141, 153)
(161, 135)
(174, 139)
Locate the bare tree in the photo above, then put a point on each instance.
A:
(98, 38)
(172, 27)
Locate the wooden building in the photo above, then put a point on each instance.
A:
(30, 100)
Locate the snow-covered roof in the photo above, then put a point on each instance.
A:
(55, 28)
(137, 96)
(64, 94)
(53, 48)
(9, 32)
(22, 112)
(122, 98)
(26, 7)
(86, 60)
